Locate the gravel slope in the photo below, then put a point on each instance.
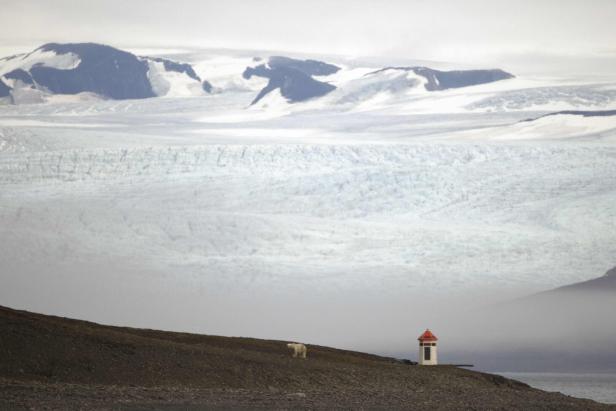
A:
(56, 363)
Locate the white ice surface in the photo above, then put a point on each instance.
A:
(450, 216)
(558, 127)
(313, 189)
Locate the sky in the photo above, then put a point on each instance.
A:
(448, 30)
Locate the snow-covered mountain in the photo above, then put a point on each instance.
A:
(95, 69)
(443, 80)
(276, 86)
(296, 79)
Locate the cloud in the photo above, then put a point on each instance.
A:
(443, 30)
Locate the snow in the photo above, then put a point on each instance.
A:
(225, 73)
(447, 216)
(345, 75)
(65, 61)
(170, 83)
(25, 122)
(374, 90)
(550, 127)
(551, 98)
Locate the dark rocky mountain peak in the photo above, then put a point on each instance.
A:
(293, 78)
(100, 69)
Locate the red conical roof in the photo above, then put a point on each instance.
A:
(427, 336)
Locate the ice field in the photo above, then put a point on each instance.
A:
(368, 191)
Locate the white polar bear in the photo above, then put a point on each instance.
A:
(298, 349)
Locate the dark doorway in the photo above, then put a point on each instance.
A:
(427, 353)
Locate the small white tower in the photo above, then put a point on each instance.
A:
(427, 348)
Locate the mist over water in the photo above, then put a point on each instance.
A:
(472, 326)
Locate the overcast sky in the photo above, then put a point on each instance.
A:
(448, 30)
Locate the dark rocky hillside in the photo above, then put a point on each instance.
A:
(56, 363)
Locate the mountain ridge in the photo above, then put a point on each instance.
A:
(112, 73)
(74, 68)
(437, 80)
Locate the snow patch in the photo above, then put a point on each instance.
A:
(225, 73)
(67, 61)
(170, 83)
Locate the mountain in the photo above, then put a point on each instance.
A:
(442, 80)
(5, 90)
(102, 70)
(604, 284)
(570, 328)
(294, 78)
(68, 364)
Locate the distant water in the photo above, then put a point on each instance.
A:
(598, 387)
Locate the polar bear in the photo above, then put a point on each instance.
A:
(298, 349)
